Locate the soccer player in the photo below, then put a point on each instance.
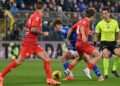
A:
(108, 29)
(30, 46)
(82, 45)
(72, 53)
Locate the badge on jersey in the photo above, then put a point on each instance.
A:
(84, 22)
(37, 19)
(108, 27)
(27, 54)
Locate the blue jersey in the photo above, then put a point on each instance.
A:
(73, 37)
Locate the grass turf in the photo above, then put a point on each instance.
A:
(31, 73)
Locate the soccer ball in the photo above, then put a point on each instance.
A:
(56, 74)
(13, 58)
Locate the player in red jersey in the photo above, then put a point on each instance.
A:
(82, 44)
(30, 46)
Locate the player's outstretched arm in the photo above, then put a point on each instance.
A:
(95, 39)
(118, 38)
(35, 30)
(84, 39)
(68, 36)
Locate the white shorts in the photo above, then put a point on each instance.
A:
(74, 53)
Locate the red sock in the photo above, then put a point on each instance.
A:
(9, 68)
(47, 69)
(90, 65)
(70, 67)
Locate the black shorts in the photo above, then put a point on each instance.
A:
(109, 45)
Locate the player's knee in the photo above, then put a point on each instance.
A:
(63, 58)
(106, 55)
(117, 52)
(18, 62)
(47, 59)
(98, 55)
(78, 59)
(66, 56)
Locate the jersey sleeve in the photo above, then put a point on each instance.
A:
(28, 23)
(74, 27)
(97, 30)
(117, 27)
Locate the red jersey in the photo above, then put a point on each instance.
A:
(35, 20)
(85, 23)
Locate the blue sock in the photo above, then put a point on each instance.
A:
(96, 70)
(65, 65)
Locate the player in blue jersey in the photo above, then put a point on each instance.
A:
(72, 53)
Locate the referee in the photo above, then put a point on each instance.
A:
(108, 30)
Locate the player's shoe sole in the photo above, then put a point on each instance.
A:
(69, 78)
(87, 73)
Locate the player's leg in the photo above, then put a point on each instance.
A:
(47, 65)
(116, 62)
(95, 68)
(90, 50)
(106, 54)
(72, 54)
(73, 63)
(65, 57)
(115, 65)
(22, 56)
(70, 67)
(10, 67)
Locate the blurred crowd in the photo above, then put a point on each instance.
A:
(60, 5)
(69, 11)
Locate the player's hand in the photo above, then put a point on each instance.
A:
(84, 39)
(46, 33)
(94, 44)
(91, 32)
(68, 42)
(118, 42)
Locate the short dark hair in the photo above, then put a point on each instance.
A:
(90, 12)
(39, 5)
(106, 9)
(57, 21)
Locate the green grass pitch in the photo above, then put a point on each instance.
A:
(31, 73)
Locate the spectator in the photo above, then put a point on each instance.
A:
(81, 6)
(70, 6)
(31, 8)
(63, 5)
(23, 7)
(14, 8)
(4, 4)
(10, 17)
(75, 5)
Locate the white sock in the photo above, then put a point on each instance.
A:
(71, 74)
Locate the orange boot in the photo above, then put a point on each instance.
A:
(52, 82)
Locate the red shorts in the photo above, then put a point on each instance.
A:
(84, 48)
(28, 50)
